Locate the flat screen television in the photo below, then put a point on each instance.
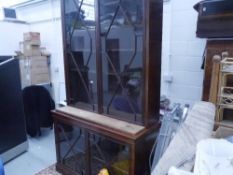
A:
(13, 139)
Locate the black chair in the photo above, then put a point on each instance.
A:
(37, 106)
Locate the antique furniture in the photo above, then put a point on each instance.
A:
(225, 93)
(220, 49)
(88, 142)
(112, 55)
(215, 19)
(215, 22)
(214, 47)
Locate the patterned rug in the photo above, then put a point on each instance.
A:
(49, 171)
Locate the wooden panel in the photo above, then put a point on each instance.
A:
(102, 120)
(213, 97)
(152, 60)
(139, 148)
(213, 47)
(216, 20)
(78, 80)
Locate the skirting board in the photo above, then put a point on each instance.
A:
(14, 152)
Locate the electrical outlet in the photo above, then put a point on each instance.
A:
(56, 69)
(168, 78)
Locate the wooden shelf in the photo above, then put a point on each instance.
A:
(102, 120)
(228, 106)
(225, 123)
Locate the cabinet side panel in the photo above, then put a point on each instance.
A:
(152, 62)
(142, 154)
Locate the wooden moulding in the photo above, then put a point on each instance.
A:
(227, 65)
(109, 126)
(102, 120)
(225, 124)
(213, 97)
(227, 61)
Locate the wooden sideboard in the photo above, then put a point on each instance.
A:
(87, 142)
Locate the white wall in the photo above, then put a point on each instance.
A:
(44, 17)
(10, 36)
(51, 39)
(182, 52)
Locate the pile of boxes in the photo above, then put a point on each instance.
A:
(31, 44)
(34, 61)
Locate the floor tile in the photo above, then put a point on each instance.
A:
(40, 155)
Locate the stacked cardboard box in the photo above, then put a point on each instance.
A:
(31, 44)
(32, 38)
(35, 68)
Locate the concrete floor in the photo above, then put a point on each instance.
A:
(40, 155)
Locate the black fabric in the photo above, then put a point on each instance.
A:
(37, 106)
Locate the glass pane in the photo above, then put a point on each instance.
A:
(122, 57)
(81, 56)
(72, 148)
(126, 13)
(109, 154)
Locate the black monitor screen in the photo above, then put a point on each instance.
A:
(12, 121)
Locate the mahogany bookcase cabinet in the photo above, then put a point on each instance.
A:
(112, 56)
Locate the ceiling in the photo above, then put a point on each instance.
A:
(8, 3)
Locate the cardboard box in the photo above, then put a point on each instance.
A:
(24, 72)
(40, 78)
(37, 62)
(42, 70)
(29, 50)
(34, 70)
(32, 37)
